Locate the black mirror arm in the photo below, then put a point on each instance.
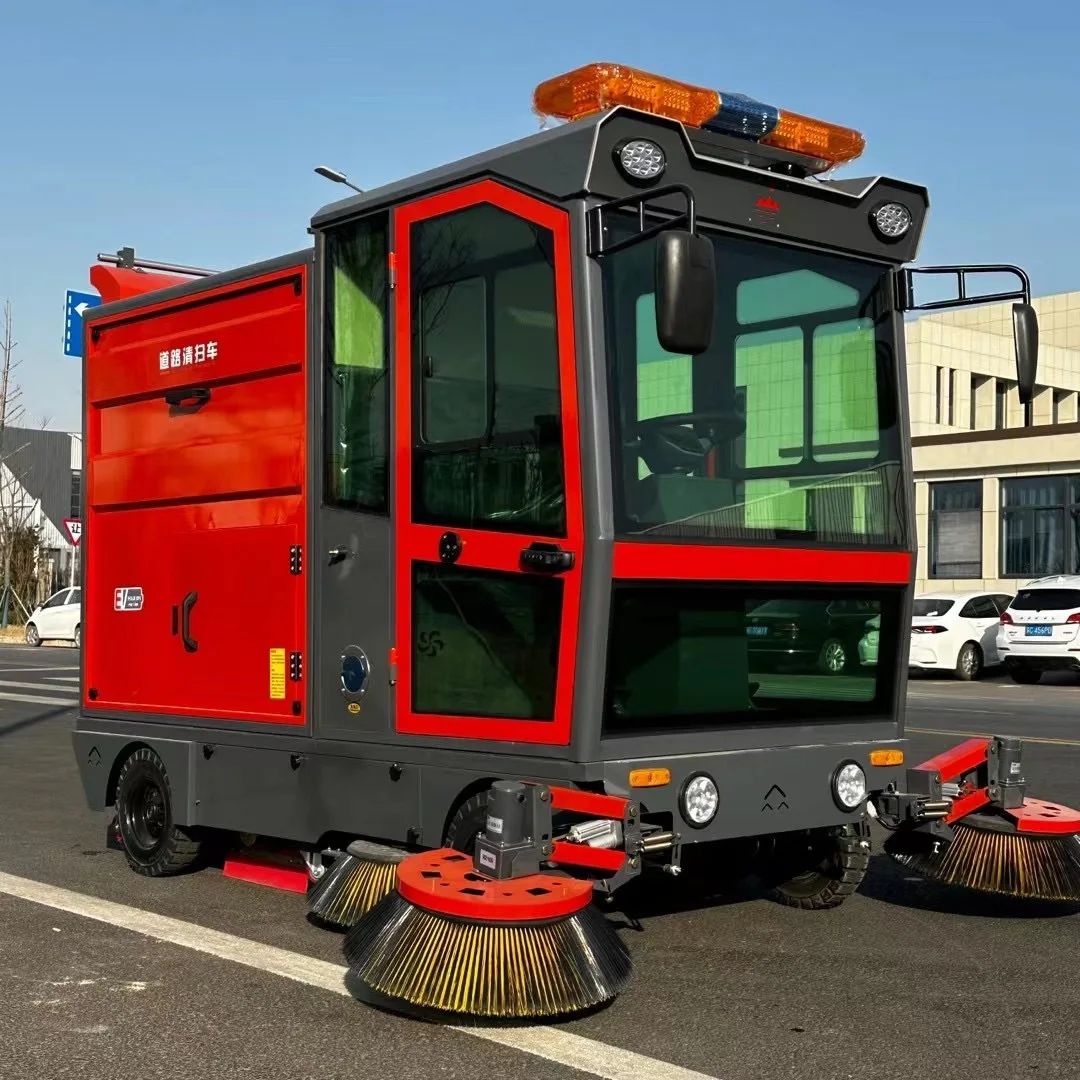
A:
(597, 246)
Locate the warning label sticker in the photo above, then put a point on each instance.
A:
(128, 599)
(277, 674)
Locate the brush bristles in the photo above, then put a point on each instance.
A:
(349, 889)
(1005, 863)
(421, 962)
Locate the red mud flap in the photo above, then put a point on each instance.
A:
(277, 870)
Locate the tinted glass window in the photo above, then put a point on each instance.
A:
(485, 643)
(932, 608)
(691, 656)
(1046, 600)
(56, 600)
(980, 607)
(356, 349)
(486, 374)
(784, 427)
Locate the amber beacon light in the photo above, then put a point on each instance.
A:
(596, 87)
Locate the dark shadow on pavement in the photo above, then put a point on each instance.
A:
(30, 721)
(891, 883)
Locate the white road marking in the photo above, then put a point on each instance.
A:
(24, 670)
(983, 735)
(552, 1044)
(32, 699)
(35, 699)
(34, 685)
(62, 678)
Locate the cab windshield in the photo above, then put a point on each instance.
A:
(785, 429)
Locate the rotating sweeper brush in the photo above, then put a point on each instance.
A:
(498, 936)
(966, 821)
(354, 884)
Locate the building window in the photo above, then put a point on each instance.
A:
(1034, 510)
(1029, 414)
(76, 495)
(952, 397)
(1001, 397)
(955, 547)
(939, 386)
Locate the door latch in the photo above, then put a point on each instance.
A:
(546, 559)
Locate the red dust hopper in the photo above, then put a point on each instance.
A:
(450, 943)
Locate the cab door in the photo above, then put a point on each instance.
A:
(488, 544)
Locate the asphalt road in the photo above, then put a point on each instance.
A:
(905, 979)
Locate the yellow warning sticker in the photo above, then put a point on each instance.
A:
(277, 674)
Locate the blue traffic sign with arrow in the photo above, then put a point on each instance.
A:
(76, 305)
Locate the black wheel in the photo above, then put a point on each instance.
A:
(33, 638)
(469, 821)
(825, 866)
(969, 661)
(78, 637)
(153, 844)
(833, 659)
(1020, 673)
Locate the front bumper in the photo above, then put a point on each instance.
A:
(762, 792)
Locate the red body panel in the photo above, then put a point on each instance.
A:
(699, 562)
(195, 494)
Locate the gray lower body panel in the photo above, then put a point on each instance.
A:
(304, 789)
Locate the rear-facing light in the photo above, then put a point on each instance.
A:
(1074, 617)
(1006, 619)
(887, 757)
(650, 777)
(928, 630)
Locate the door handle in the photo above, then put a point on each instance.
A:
(190, 644)
(546, 559)
(194, 397)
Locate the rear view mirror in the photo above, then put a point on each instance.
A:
(1026, 340)
(685, 292)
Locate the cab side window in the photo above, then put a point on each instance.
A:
(356, 336)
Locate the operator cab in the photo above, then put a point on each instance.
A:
(646, 466)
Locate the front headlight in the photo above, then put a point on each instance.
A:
(849, 785)
(699, 800)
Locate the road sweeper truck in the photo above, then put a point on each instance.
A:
(528, 528)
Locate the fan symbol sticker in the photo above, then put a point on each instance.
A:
(775, 799)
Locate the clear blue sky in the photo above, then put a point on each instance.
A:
(189, 130)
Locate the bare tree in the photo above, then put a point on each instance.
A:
(18, 509)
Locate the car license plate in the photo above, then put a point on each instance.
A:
(757, 631)
(1038, 631)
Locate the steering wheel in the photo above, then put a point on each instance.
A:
(667, 445)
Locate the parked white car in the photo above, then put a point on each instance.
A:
(1039, 630)
(956, 632)
(58, 619)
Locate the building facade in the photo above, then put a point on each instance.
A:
(40, 487)
(997, 484)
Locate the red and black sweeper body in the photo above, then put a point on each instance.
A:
(582, 463)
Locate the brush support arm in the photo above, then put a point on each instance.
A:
(518, 836)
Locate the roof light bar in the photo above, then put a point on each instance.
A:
(595, 87)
